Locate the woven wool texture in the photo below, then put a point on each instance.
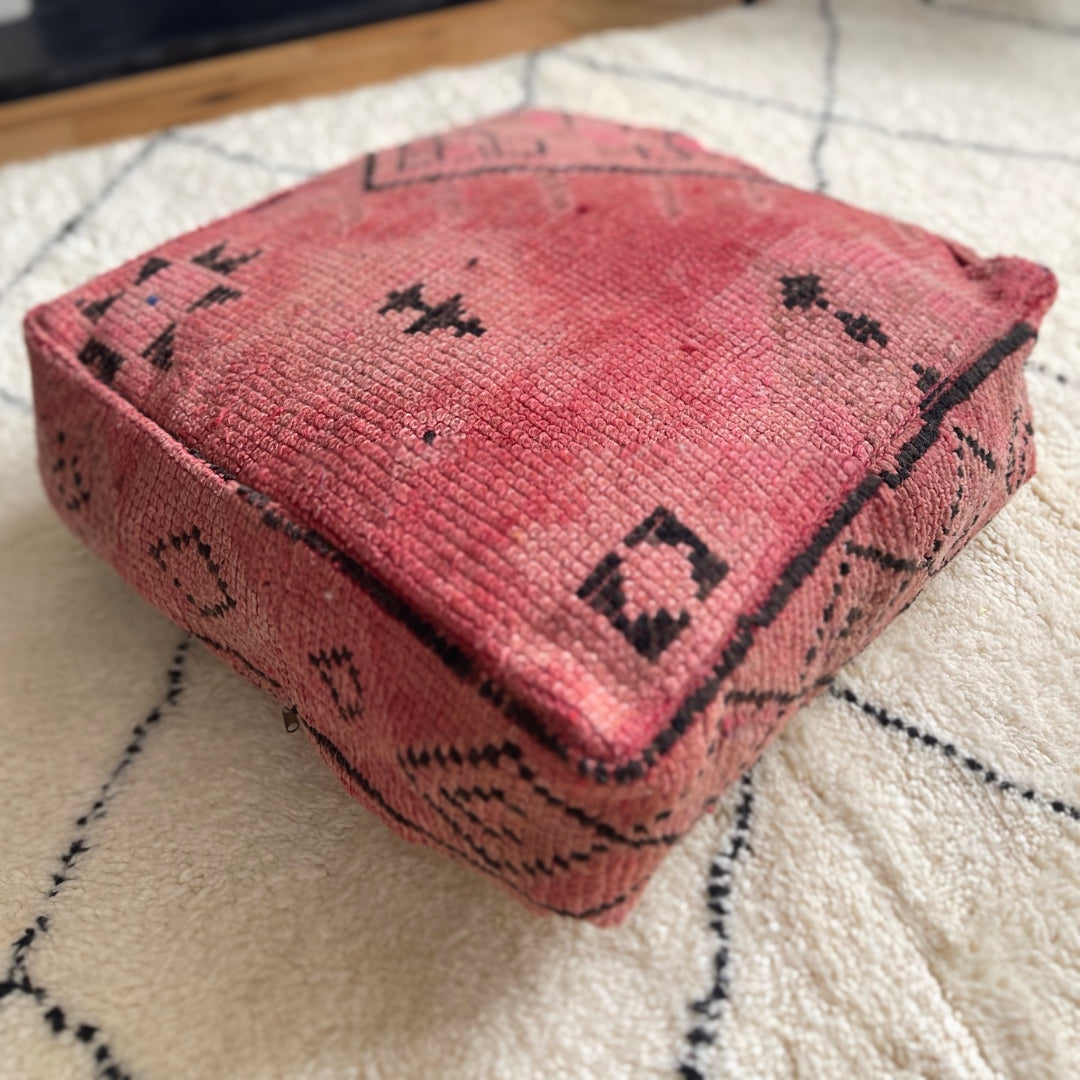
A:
(893, 890)
(545, 466)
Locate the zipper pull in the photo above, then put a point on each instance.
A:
(291, 718)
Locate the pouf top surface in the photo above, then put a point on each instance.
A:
(584, 397)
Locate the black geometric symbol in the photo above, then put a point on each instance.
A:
(801, 292)
(212, 259)
(97, 355)
(804, 291)
(487, 817)
(449, 315)
(160, 351)
(183, 544)
(862, 328)
(96, 308)
(980, 452)
(1016, 466)
(219, 294)
(337, 672)
(69, 478)
(928, 377)
(150, 268)
(649, 634)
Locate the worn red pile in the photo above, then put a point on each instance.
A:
(545, 467)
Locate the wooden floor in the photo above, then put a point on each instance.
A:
(481, 30)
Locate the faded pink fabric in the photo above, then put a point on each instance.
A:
(545, 466)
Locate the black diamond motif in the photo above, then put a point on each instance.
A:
(651, 634)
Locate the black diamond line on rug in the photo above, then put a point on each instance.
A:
(967, 11)
(708, 1009)
(18, 981)
(931, 138)
(963, 761)
(1042, 369)
(103, 194)
(821, 136)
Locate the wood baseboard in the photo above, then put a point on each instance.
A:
(328, 63)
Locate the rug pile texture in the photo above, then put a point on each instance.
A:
(893, 890)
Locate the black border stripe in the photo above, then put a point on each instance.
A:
(806, 561)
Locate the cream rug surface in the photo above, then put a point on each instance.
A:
(894, 891)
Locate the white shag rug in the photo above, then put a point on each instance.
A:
(895, 890)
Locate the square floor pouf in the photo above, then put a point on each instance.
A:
(543, 467)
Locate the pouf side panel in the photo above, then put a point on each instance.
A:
(435, 748)
(439, 752)
(880, 560)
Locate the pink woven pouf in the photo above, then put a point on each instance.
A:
(545, 467)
